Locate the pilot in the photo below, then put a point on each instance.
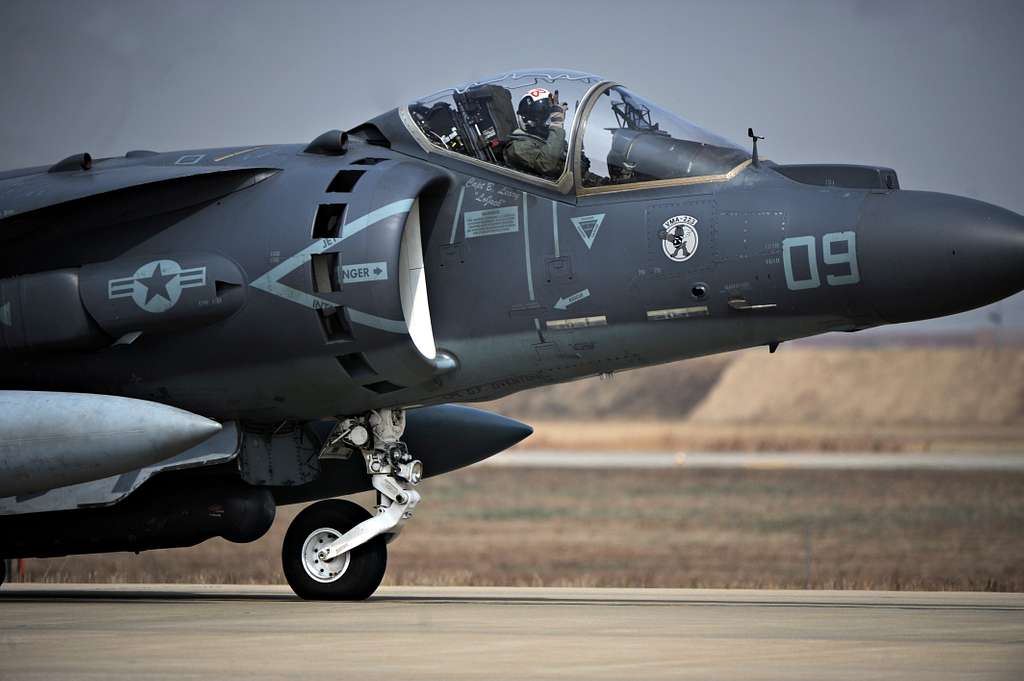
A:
(538, 146)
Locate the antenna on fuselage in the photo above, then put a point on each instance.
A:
(751, 135)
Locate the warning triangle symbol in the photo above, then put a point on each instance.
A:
(587, 226)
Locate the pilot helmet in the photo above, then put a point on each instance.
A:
(535, 107)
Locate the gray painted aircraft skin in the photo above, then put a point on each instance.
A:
(278, 288)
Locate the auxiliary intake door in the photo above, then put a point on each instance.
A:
(371, 283)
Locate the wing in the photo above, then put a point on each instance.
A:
(42, 211)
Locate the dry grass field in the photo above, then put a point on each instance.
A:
(663, 528)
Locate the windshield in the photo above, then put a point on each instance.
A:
(519, 120)
(630, 140)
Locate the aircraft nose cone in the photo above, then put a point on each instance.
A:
(927, 255)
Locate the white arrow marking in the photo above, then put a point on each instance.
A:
(564, 303)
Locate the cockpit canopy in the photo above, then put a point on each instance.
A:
(481, 119)
(631, 140)
(551, 125)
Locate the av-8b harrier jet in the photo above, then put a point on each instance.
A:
(190, 339)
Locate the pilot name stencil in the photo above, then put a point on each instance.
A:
(156, 286)
(492, 221)
(491, 195)
(679, 237)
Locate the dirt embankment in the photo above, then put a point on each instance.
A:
(800, 398)
(666, 392)
(892, 387)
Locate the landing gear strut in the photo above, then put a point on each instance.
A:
(334, 549)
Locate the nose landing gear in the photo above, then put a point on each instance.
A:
(352, 577)
(335, 549)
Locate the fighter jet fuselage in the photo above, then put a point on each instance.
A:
(267, 304)
(411, 262)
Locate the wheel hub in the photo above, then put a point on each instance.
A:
(320, 570)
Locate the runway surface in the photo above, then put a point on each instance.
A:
(869, 461)
(185, 632)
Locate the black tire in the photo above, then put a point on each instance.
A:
(3, 571)
(366, 564)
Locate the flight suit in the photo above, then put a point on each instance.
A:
(536, 155)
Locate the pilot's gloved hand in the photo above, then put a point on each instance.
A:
(557, 118)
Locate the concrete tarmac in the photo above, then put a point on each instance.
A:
(867, 461)
(58, 632)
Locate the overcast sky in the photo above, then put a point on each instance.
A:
(930, 88)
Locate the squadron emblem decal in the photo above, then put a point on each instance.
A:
(679, 237)
(157, 285)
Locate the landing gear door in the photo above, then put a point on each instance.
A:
(682, 254)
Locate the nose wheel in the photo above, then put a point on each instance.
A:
(350, 576)
(334, 549)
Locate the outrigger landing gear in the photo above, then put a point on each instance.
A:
(334, 549)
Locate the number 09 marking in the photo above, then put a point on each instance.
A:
(792, 282)
(848, 257)
(838, 248)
